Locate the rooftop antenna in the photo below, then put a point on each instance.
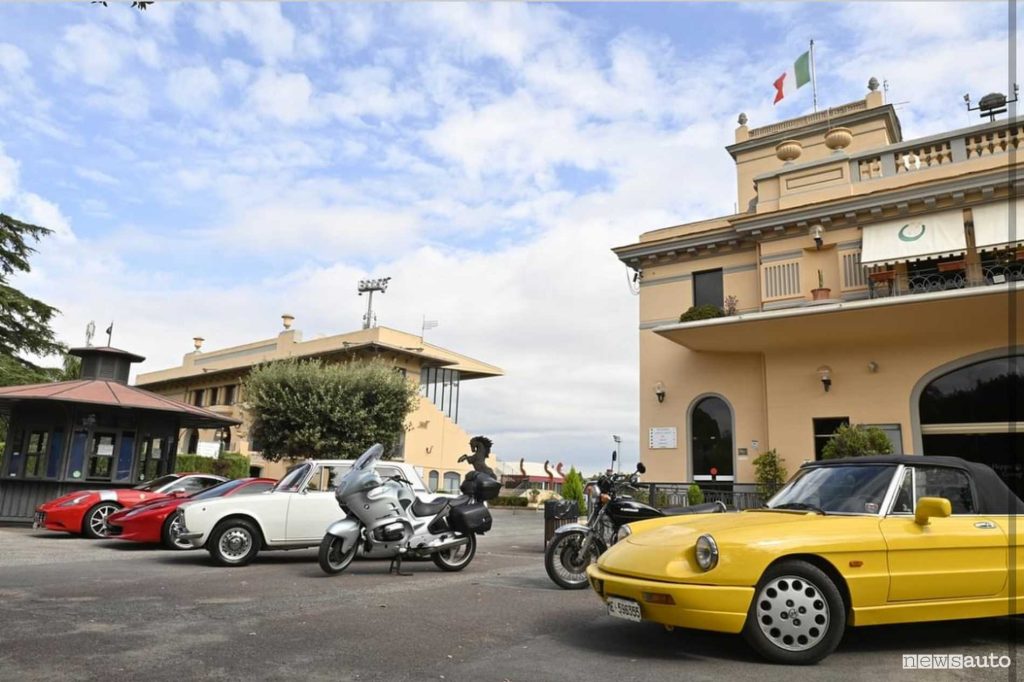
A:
(372, 285)
(427, 324)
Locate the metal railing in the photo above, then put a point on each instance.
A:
(946, 281)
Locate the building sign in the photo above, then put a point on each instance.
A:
(663, 438)
(205, 449)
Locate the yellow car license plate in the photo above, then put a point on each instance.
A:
(624, 608)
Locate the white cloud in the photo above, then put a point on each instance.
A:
(96, 176)
(193, 89)
(286, 97)
(262, 25)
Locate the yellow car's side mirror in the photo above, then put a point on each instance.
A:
(927, 507)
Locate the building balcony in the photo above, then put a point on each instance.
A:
(911, 318)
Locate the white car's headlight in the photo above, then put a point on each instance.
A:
(624, 532)
(707, 552)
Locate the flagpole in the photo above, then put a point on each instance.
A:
(814, 81)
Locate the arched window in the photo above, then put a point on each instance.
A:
(432, 481)
(976, 412)
(451, 482)
(711, 440)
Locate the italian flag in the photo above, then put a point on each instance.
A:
(795, 77)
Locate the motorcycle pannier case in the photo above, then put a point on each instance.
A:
(481, 486)
(470, 518)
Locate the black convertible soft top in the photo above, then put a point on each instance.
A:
(994, 497)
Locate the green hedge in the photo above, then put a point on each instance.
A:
(508, 501)
(229, 464)
(701, 312)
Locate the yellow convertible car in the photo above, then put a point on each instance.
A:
(864, 541)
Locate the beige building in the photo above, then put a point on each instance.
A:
(433, 439)
(867, 279)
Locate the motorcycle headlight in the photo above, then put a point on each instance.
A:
(707, 552)
(74, 500)
(624, 532)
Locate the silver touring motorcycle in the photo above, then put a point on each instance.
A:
(385, 518)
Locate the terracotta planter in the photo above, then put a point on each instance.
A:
(821, 294)
(788, 150)
(838, 139)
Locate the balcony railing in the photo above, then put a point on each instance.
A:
(887, 283)
(991, 139)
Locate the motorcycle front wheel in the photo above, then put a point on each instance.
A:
(334, 558)
(565, 562)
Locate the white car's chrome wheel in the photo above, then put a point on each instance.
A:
(792, 613)
(235, 543)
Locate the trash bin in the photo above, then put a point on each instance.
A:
(559, 513)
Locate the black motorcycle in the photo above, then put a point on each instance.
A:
(576, 546)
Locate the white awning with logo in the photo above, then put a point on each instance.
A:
(993, 228)
(929, 236)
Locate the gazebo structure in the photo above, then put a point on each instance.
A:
(93, 432)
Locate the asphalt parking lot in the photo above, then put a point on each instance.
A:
(74, 609)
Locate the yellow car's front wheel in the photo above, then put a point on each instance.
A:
(797, 615)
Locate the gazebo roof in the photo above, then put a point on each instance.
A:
(109, 393)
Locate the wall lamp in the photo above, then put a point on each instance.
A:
(818, 233)
(659, 391)
(825, 373)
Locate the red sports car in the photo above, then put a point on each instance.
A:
(86, 511)
(157, 521)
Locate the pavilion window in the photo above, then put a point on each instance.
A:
(56, 454)
(14, 459)
(36, 450)
(125, 457)
(101, 456)
(76, 460)
(152, 456)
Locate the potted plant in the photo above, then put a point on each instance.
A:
(821, 293)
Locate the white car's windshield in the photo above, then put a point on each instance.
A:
(845, 489)
(292, 479)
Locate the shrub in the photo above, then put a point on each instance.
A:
(701, 312)
(229, 464)
(857, 441)
(769, 473)
(507, 501)
(572, 488)
(694, 495)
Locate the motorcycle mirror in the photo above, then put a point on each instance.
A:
(640, 468)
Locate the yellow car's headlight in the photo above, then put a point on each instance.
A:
(707, 552)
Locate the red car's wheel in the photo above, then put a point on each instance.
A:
(171, 533)
(94, 523)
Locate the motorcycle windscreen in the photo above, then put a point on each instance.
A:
(354, 478)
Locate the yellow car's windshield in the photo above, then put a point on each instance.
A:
(846, 489)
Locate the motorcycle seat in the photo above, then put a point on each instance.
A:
(421, 508)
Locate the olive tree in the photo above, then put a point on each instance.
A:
(328, 411)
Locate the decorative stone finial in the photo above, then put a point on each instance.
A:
(872, 84)
(788, 151)
(287, 320)
(742, 119)
(198, 342)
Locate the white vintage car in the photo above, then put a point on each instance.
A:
(293, 515)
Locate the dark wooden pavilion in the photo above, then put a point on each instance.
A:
(93, 432)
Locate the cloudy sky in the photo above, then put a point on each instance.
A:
(207, 167)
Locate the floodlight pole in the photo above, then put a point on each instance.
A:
(618, 447)
(369, 286)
